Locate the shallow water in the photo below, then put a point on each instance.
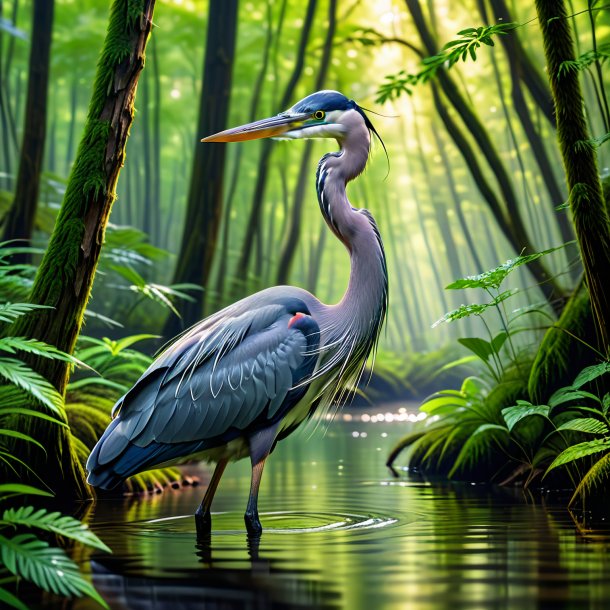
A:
(341, 532)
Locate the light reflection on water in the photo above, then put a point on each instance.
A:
(340, 532)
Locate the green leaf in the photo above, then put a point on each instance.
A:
(590, 373)
(11, 600)
(18, 488)
(47, 567)
(581, 450)
(606, 403)
(126, 342)
(494, 277)
(62, 525)
(33, 346)
(513, 415)
(590, 425)
(4, 412)
(477, 444)
(20, 436)
(596, 476)
(498, 341)
(9, 312)
(481, 348)
(29, 380)
(569, 394)
(474, 309)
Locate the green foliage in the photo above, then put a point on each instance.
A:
(62, 525)
(466, 432)
(495, 277)
(474, 309)
(585, 61)
(32, 559)
(464, 47)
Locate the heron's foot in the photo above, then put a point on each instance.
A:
(253, 523)
(203, 522)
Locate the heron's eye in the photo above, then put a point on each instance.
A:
(319, 115)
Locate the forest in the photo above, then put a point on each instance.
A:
(488, 190)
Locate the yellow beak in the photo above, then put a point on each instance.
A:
(266, 128)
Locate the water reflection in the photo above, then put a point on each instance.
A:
(341, 532)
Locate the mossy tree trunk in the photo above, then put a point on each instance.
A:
(65, 276)
(19, 223)
(580, 161)
(204, 206)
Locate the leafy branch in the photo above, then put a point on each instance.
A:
(462, 48)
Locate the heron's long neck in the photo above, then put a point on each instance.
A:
(364, 303)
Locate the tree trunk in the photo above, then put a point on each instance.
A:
(505, 221)
(205, 199)
(252, 227)
(290, 245)
(586, 201)
(520, 71)
(65, 276)
(19, 223)
(528, 72)
(551, 289)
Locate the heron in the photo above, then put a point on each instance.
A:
(247, 376)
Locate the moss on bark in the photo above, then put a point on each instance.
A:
(65, 276)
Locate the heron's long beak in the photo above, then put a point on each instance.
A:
(267, 128)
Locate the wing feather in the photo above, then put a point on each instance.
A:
(228, 378)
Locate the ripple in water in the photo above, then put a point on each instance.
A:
(280, 522)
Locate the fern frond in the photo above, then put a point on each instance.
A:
(62, 525)
(48, 567)
(596, 476)
(23, 376)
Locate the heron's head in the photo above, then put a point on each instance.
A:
(324, 114)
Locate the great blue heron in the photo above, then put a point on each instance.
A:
(247, 376)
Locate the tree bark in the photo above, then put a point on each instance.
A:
(65, 276)
(205, 199)
(580, 161)
(19, 223)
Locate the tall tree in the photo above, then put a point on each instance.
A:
(520, 236)
(205, 198)
(580, 161)
(254, 219)
(65, 276)
(292, 238)
(523, 71)
(19, 223)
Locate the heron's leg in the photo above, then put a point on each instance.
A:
(203, 518)
(253, 524)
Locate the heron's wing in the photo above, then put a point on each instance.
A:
(242, 373)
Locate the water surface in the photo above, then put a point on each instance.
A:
(341, 532)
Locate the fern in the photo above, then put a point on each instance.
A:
(62, 525)
(23, 376)
(596, 477)
(32, 346)
(579, 451)
(9, 312)
(48, 567)
(588, 425)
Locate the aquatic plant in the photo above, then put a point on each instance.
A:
(24, 555)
